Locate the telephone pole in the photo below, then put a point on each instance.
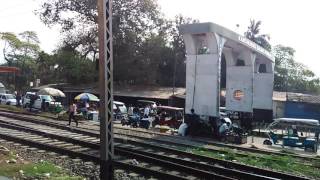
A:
(106, 88)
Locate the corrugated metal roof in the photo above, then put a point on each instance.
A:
(306, 98)
(283, 96)
(146, 91)
(154, 92)
(295, 97)
(157, 92)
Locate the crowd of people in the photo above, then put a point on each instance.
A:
(217, 127)
(141, 111)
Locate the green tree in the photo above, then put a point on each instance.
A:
(176, 66)
(253, 33)
(46, 68)
(21, 51)
(71, 67)
(291, 75)
(136, 24)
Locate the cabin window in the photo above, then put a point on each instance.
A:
(203, 50)
(202, 44)
(262, 68)
(238, 95)
(240, 62)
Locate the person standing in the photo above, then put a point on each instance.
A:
(130, 110)
(72, 112)
(223, 129)
(146, 112)
(85, 109)
(18, 98)
(192, 121)
(43, 105)
(32, 100)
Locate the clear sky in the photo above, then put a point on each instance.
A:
(292, 23)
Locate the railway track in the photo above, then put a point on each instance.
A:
(86, 147)
(177, 139)
(155, 166)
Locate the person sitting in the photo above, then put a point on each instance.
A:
(86, 109)
(295, 131)
(163, 116)
(136, 111)
(290, 131)
(223, 129)
(192, 122)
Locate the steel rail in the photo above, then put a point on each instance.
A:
(92, 158)
(122, 152)
(235, 168)
(93, 134)
(144, 155)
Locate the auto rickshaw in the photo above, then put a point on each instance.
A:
(143, 103)
(170, 116)
(291, 138)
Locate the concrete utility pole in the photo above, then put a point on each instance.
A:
(106, 88)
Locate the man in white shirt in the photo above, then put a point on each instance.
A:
(146, 111)
(130, 110)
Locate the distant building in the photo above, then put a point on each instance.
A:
(128, 94)
(292, 105)
(296, 105)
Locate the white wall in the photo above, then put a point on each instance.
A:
(278, 109)
(263, 91)
(239, 78)
(201, 84)
(203, 73)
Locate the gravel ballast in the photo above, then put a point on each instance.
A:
(72, 167)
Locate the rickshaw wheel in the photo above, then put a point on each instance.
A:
(135, 125)
(153, 123)
(267, 142)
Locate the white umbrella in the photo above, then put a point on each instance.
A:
(52, 92)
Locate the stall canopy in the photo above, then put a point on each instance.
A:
(52, 92)
(87, 97)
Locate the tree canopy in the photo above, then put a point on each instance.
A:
(148, 48)
(291, 75)
(253, 33)
(21, 51)
(143, 39)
